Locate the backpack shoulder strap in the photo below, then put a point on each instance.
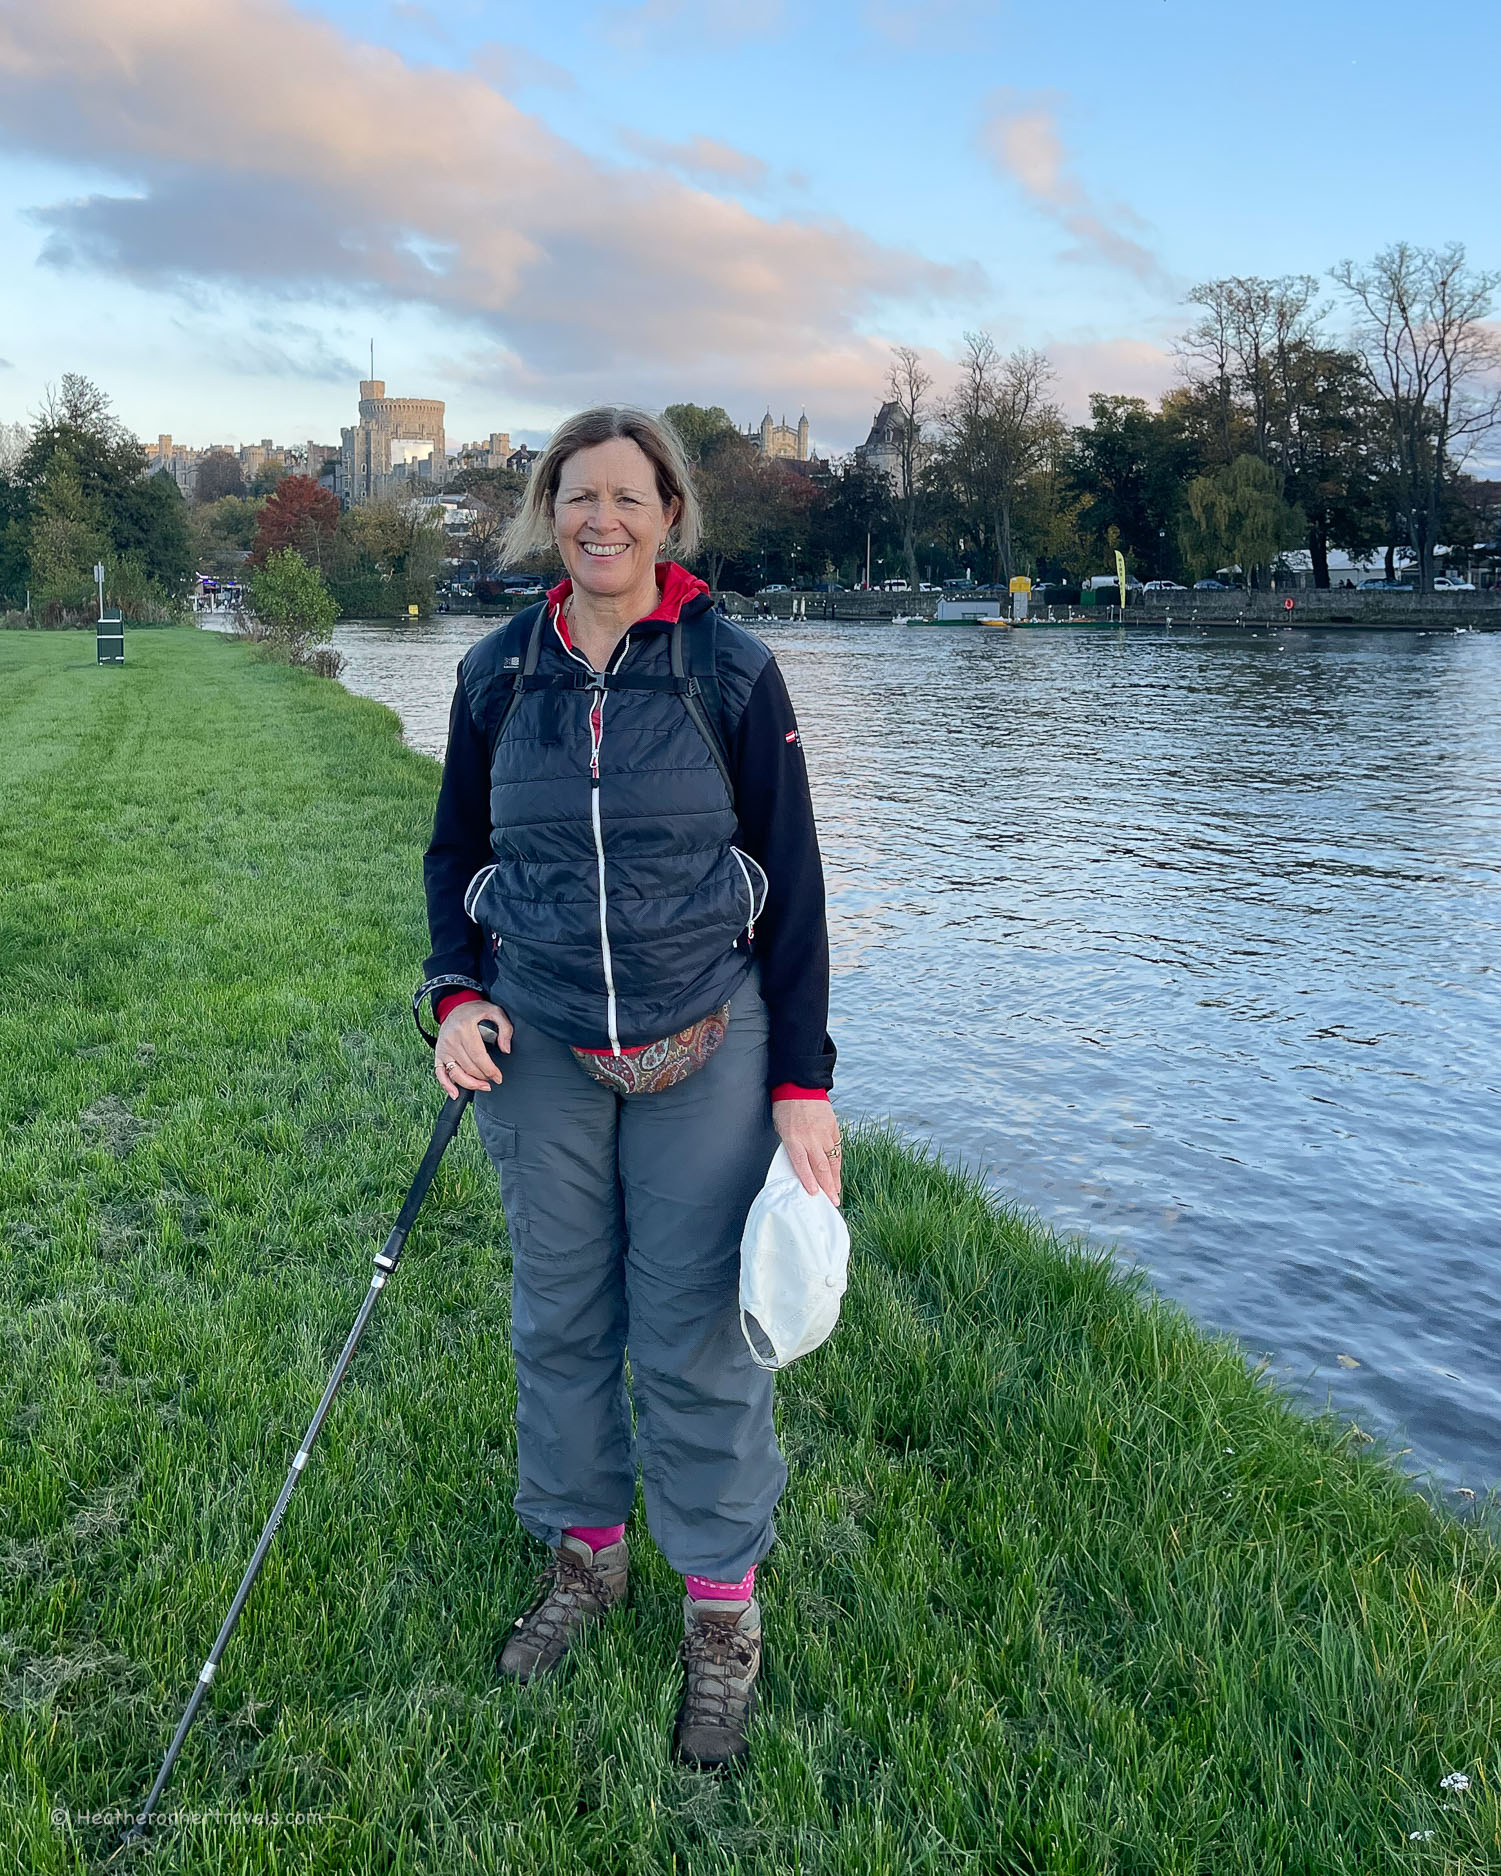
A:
(694, 653)
(493, 681)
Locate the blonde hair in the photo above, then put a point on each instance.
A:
(532, 530)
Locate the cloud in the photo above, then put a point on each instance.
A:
(511, 68)
(1123, 367)
(910, 23)
(277, 348)
(726, 20)
(1022, 139)
(6, 365)
(704, 158)
(337, 169)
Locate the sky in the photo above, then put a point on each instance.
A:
(211, 207)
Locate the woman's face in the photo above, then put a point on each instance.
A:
(609, 519)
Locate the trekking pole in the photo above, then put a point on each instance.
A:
(386, 1260)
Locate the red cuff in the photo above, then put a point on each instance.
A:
(790, 1091)
(454, 999)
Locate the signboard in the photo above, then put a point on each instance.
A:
(411, 612)
(109, 641)
(1021, 597)
(1287, 605)
(1120, 573)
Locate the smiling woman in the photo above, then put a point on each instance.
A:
(624, 879)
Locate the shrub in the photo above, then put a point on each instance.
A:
(292, 605)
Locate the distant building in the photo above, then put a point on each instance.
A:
(521, 459)
(882, 449)
(176, 460)
(780, 440)
(322, 463)
(397, 441)
(493, 454)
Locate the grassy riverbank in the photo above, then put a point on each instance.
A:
(1060, 1587)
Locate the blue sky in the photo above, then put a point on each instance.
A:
(212, 205)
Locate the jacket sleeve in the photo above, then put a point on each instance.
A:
(460, 846)
(776, 828)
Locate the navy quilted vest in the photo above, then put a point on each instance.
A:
(617, 904)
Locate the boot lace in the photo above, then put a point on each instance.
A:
(568, 1588)
(711, 1654)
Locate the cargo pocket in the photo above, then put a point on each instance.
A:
(499, 1138)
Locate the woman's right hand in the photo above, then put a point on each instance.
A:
(461, 1059)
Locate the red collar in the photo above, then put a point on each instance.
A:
(675, 585)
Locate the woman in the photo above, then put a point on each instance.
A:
(624, 879)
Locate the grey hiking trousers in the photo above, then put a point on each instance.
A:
(625, 1214)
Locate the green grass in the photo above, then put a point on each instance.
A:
(1060, 1586)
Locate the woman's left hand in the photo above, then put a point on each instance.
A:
(810, 1132)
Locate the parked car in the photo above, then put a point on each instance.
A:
(1102, 582)
(1384, 586)
(1163, 586)
(1212, 586)
(1446, 583)
(774, 588)
(894, 586)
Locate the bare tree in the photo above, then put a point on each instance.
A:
(1431, 359)
(1002, 432)
(907, 387)
(13, 440)
(1242, 351)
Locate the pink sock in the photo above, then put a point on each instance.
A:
(596, 1536)
(705, 1589)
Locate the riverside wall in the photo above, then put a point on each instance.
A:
(1369, 611)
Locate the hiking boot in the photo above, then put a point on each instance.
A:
(721, 1657)
(578, 1586)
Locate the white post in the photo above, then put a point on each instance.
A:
(99, 582)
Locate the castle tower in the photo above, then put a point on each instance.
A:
(802, 437)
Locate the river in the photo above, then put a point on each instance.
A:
(1187, 940)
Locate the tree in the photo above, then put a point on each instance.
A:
(1238, 518)
(1129, 466)
(293, 607)
(300, 515)
(77, 403)
(999, 429)
(1331, 456)
(855, 508)
(731, 497)
(222, 534)
(1430, 357)
(219, 474)
(141, 518)
(907, 387)
(67, 538)
(387, 555)
(13, 440)
(266, 478)
(701, 429)
(1242, 346)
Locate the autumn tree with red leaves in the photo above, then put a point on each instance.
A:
(300, 515)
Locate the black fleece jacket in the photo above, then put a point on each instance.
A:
(775, 812)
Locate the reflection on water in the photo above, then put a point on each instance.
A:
(1191, 942)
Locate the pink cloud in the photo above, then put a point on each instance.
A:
(702, 157)
(267, 149)
(1022, 139)
(1123, 367)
